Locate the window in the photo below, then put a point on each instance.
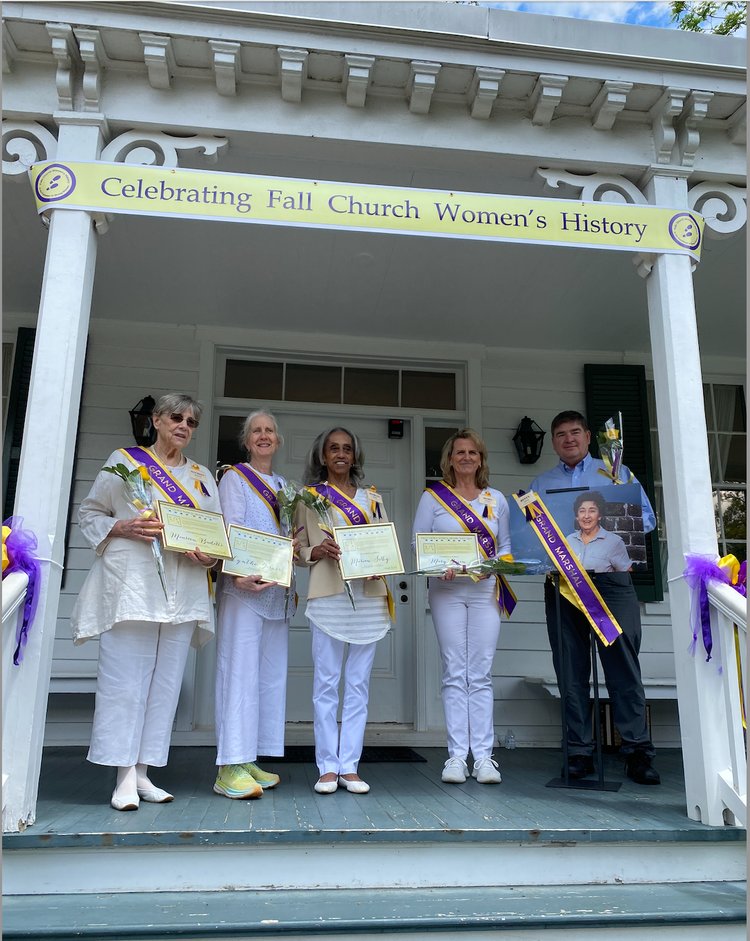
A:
(7, 372)
(726, 423)
(434, 439)
(341, 385)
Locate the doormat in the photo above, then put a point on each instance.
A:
(370, 753)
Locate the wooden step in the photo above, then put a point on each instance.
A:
(706, 910)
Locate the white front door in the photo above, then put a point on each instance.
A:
(387, 466)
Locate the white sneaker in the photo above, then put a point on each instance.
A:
(455, 771)
(486, 771)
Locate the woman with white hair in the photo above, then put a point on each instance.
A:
(144, 632)
(335, 470)
(253, 629)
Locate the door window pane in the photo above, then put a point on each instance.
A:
(246, 379)
(709, 409)
(730, 408)
(734, 514)
(370, 386)
(428, 390)
(312, 383)
(229, 451)
(434, 439)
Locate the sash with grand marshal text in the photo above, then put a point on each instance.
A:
(354, 516)
(575, 585)
(259, 486)
(160, 476)
(472, 523)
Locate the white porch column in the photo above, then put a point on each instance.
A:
(46, 463)
(688, 504)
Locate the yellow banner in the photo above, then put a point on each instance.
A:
(235, 197)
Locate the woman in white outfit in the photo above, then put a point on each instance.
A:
(334, 464)
(144, 636)
(466, 614)
(253, 629)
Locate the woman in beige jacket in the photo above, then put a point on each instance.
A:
(334, 469)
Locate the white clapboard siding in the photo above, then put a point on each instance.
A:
(124, 362)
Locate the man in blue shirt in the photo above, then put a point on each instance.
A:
(577, 469)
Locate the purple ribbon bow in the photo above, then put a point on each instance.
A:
(21, 547)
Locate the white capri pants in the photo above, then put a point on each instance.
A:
(137, 687)
(251, 668)
(467, 623)
(333, 753)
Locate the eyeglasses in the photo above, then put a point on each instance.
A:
(178, 419)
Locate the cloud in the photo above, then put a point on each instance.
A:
(643, 13)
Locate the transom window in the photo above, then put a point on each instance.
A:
(340, 384)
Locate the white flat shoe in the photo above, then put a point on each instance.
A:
(486, 771)
(326, 787)
(128, 802)
(155, 795)
(455, 771)
(354, 787)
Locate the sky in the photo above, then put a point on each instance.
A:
(642, 13)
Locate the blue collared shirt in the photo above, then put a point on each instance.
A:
(585, 475)
(605, 553)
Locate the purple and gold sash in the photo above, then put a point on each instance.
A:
(576, 586)
(259, 486)
(354, 516)
(472, 523)
(160, 476)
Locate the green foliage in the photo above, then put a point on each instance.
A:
(720, 18)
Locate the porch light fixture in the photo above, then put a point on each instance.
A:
(140, 420)
(528, 440)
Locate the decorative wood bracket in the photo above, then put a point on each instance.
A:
(688, 137)
(293, 72)
(662, 116)
(65, 51)
(484, 89)
(545, 97)
(10, 50)
(358, 77)
(723, 206)
(94, 58)
(226, 63)
(737, 125)
(159, 59)
(644, 262)
(421, 85)
(609, 103)
(25, 143)
(594, 187)
(160, 149)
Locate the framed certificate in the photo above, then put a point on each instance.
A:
(446, 550)
(258, 553)
(368, 550)
(185, 528)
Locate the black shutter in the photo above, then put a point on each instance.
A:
(17, 398)
(613, 389)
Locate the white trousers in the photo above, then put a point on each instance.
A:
(333, 753)
(467, 623)
(137, 687)
(251, 667)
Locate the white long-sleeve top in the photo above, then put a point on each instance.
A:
(123, 584)
(243, 507)
(432, 517)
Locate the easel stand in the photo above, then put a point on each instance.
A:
(565, 780)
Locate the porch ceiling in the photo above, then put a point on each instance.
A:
(295, 279)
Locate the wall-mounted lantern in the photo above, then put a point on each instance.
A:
(528, 440)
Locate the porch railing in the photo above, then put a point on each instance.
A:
(729, 623)
(14, 595)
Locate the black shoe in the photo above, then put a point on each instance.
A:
(579, 766)
(640, 770)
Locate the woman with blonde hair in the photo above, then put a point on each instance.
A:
(465, 613)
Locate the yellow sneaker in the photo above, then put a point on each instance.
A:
(264, 778)
(235, 781)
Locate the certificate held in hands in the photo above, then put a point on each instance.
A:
(368, 550)
(258, 553)
(186, 528)
(445, 550)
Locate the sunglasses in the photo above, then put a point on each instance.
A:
(177, 419)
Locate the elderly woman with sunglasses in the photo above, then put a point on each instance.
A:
(144, 635)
